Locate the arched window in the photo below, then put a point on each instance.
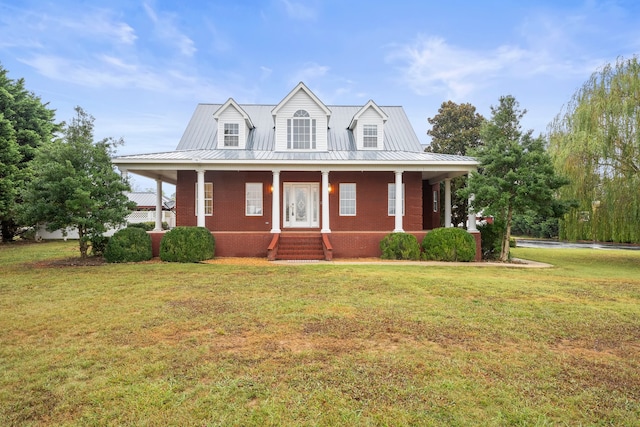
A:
(301, 131)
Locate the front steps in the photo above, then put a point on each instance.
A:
(300, 246)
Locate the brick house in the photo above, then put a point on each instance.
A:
(301, 179)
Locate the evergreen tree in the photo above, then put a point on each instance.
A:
(75, 185)
(25, 124)
(516, 174)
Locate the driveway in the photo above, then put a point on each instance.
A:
(529, 243)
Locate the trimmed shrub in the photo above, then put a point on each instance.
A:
(148, 226)
(187, 244)
(400, 246)
(131, 244)
(449, 244)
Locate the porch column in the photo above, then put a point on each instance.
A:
(275, 203)
(399, 200)
(158, 205)
(325, 202)
(447, 202)
(471, 221)
(124, 173)
(200, 207)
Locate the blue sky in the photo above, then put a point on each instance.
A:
(140, 67)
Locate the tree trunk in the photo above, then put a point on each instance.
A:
(504, 252)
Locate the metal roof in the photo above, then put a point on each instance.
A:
(202, 130)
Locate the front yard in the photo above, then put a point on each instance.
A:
(319, 344)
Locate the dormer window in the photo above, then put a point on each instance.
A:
(370, 136)
(301, 131)
(231, 134)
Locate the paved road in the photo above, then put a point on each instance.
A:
(526, 243)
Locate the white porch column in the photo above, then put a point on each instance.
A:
(399, 200)
(447, 202)
(325, 202)
(124, 173)
(158, 205)
(275, 203)
(471, 221)
(200, 207)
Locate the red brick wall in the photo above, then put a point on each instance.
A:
(372, 201)
(430, 219)
(228, 200)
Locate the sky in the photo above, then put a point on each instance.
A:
(140, 67)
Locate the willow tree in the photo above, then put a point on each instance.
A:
(595, 141)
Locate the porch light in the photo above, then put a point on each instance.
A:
(271, 189)
(330, 188)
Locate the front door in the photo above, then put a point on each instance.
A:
(301, 205)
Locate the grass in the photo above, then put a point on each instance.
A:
(226, 344)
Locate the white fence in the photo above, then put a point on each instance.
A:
(135, 217)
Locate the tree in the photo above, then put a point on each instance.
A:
(455, 130)
(75, 185)
(516, 173)
(595, 142)
(25, 124)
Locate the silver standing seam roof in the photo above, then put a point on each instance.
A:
(198, 148)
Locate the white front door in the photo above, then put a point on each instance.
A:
(301, 205)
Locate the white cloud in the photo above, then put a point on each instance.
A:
(431, 66)
(298, 10)
(169, 32)
(309, 72)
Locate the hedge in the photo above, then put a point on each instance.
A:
(400, 246)
(449, 244)
(130, 244)
(187, 244)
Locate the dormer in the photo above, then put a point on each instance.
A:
(233, 126)
(367, 126)
(301, 121)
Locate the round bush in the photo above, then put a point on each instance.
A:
(400, 246)
(128, 245)
(449, 244)
(187, 244)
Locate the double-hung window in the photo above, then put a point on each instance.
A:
(301, 131)
(391, 209)
(253, 199)
(370, 136)
(208, 198)
(231, 134)
(347, 199)
(436, 196)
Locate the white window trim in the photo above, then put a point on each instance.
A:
(302, 115)
(207, 185)
(366, 137)
(391, 203)
(436, 197)
(257, 188)
(355, 199)
(236, 135)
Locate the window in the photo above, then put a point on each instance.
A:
(392, 199)
(231, 134)
(301, 131)
(348, 199)
(253, 199)
(436, 196)
(208, 198)
(370, 136)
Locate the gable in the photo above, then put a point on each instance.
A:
(234, 125)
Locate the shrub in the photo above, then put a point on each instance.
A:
(400, 246)
(491, 235)
(98, 244)
(148, 226)
(131, 244)
(187, 244)
(449, 244)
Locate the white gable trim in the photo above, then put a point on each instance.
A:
(231, 103)
(368, 105)
(301, 87)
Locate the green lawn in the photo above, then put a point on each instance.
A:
(319, 344)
